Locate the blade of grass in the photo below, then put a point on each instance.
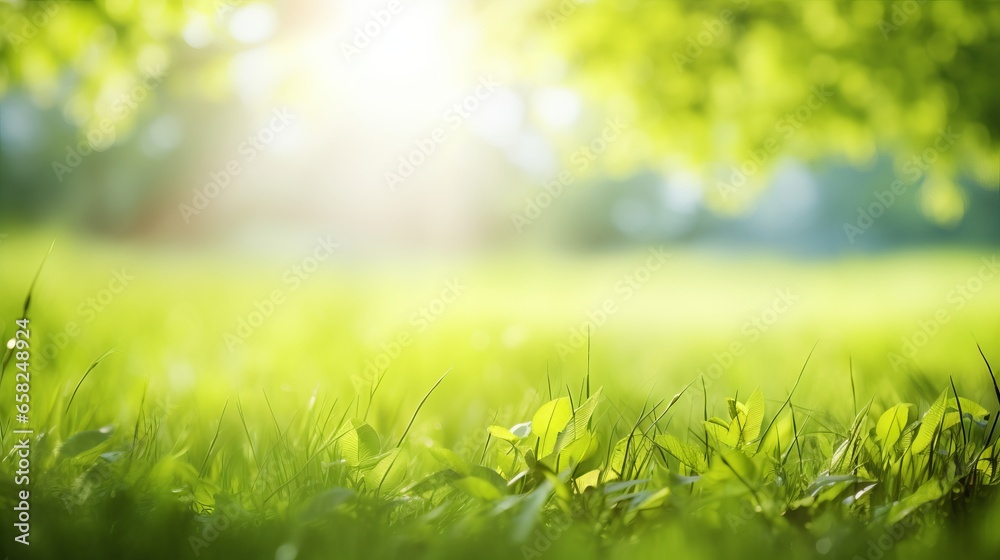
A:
(211, 446)
(704, 396)
(376, 383)
(760, 442)
(9, 353)
(246, 430)
(419, 406)
(138, 419)
(82, 379)
(854, 395)
(996, 391)
(961, 415)
(588, 360)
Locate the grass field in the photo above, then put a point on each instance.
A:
(290, 411)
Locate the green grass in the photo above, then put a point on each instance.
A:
(289, 447)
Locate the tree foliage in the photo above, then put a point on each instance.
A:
(731, 86)
(87, 58)
(728, 87)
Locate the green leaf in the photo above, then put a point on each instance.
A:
(650, 500)
(972, 408)
(891, 425)
(589, 479)
(717, 427)
(929, 424)
(507, 461)
(631, 453)
(489, 475)
(358, 443)
(686, 453)
(81, 442)
(987, 464)
(550, 419)
(500, 432)
(732, 405)
(578, 427)
(825, 481)
(450, 459)
(755, 416)
(389, 472)
(531, 509)
(577, 451)
(740, 464)
(433, 482)
(735, 431)
(478, 488)
(834, 492)
(930, 491)
(615, 487)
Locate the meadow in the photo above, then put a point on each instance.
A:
(320, 405)
(534, 279)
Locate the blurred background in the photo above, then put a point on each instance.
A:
(116, 114)
(845, 150)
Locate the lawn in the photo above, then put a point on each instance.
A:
(322, 405)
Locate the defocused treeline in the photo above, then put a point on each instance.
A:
(791, 115)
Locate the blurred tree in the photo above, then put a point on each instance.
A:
(730, 86)
(725, 86)
(96, 60)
